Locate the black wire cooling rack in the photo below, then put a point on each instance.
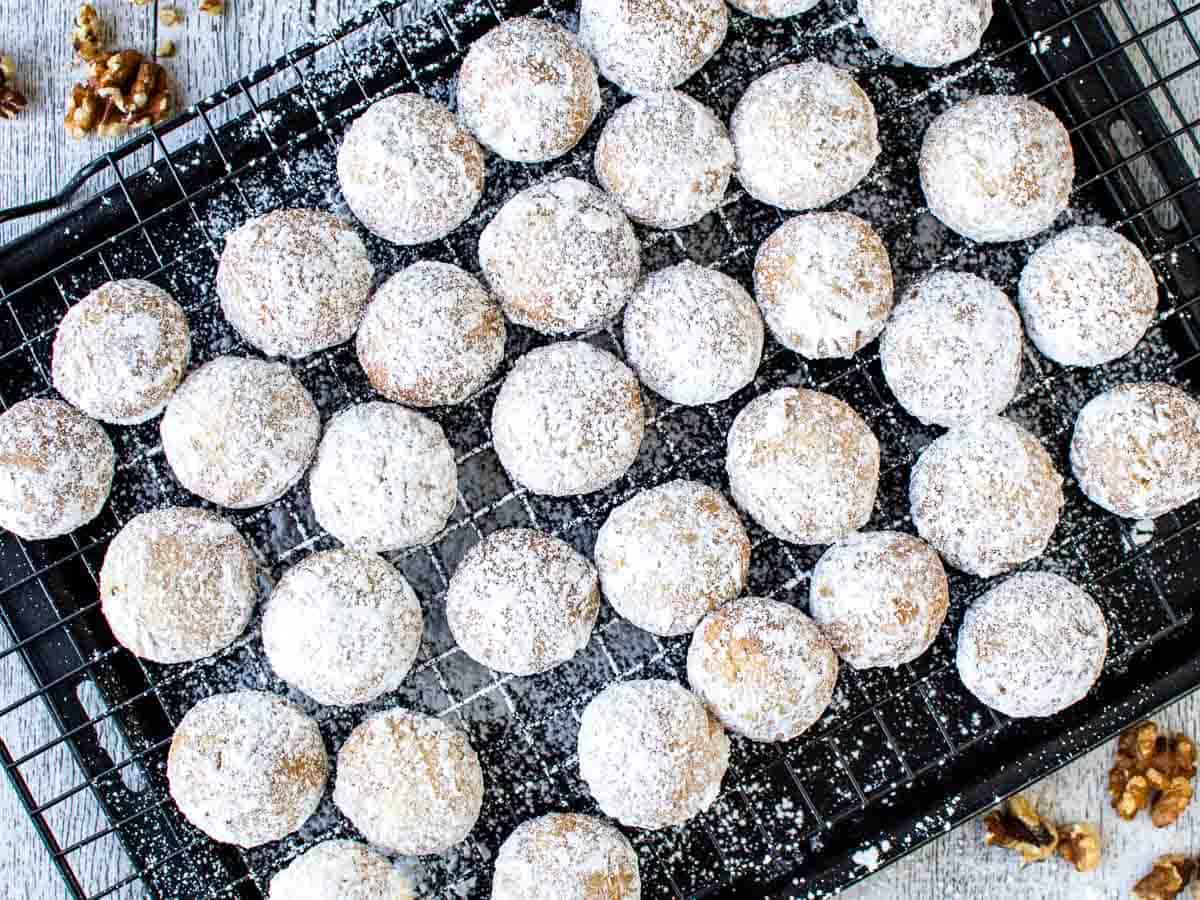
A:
(901, 755)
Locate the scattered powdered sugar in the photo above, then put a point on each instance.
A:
(294, 281)
(651, 754)
(670, 555)
(409, 782)
(522, 602)
(868, 858)
(121, 351)
(763, 667)
(986, 495)
(953, 349)
(528, 90)
(239, 432)
(56, 469)
(805, 135)
(566, 856)
(385, 478)
(560, 257)
(1136, 450)
(247, 767)
(997, 168)
(340, 870)
(568, 419)
(929, 33)
(1088, 296)
(178, 584)
(804, 465)
(693, 334)
(432, 336)
(824, 282)
(1032, 646)
(666, 158)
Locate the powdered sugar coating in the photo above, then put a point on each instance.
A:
(560, 257)
(568, 419)
(247, 767)
(342, 626)
(651, 754)
(522, 601)
(880, 597)
(953, 349)
(670, 554)
(1088, 296)
(566, 856)
(239, 432)
(644, 46)
(997, 168)
(693, 334)
(1032, 646)
(1136, 450)
(385, 478)
(294, 281)
(527, 90)
(120, 352)
(666, 158)
(340, 870)
(432, 336)
(805, 135)
(773, 9)
(178, 584)
(986, 495)
(824, 282)
(929, 33)
(409, 782)
(409, 171)
(763, 667)
(804, 465)
(56, 469)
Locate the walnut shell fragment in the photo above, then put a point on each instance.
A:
(124, 92)
(1168, 878)
(1152, 771)
(1017, 826)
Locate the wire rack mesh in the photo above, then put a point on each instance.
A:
(900, 756)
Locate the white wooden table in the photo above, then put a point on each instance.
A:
(36, 157)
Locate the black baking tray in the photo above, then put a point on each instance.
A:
(901, 756)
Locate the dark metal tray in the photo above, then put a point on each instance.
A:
(900, 757)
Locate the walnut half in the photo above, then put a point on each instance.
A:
(1168, 878)
(1017, 826)
(124, 92)
(1152, 771)
(12, 101)
(1079, 845)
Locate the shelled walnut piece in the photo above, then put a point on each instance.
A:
(212, 7)
(88, 35)
(124, 92)
(12, 101)
(1079, 844)
(1152, 771)
(1168, 878)
(1017, 826)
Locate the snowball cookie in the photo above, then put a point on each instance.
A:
(986, 495)
(824, 282)
(953, 348)
(409, 171)
(522, 602)
(120, 352)
(527, 90)
(880, 597)
(343, 627)
(693, 334)
(239, 432)
(294, 281)
(805, 135)
(1136, 450)
(671, 554)
(247, 767)
(56, 469)
(384, 479)
(1032, 646)
(432, 336)
(178, 584)
(340, 870)
(804, 465)
(773, 9)
(643, 46)
(568, 419)
(409, 782)
(666, 158)
(566, 856)
(560, 257)
(997, 168)
(928, 33)
(1088, 296)
(651, 754)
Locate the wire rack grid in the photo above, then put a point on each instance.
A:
(900, 756)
